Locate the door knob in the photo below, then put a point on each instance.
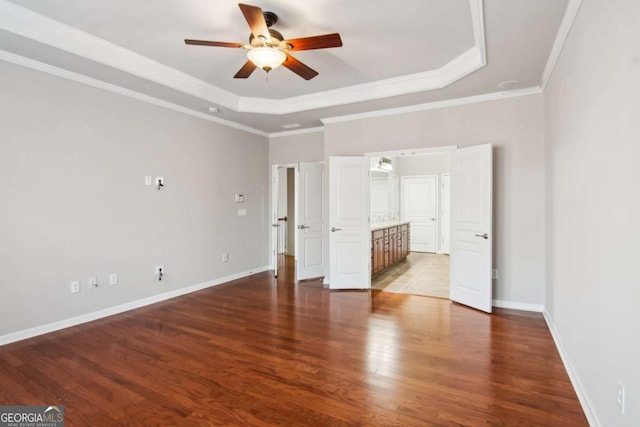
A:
(333, 229)
(302, 226)
(485, 236)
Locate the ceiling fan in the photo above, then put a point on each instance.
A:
(268, 49)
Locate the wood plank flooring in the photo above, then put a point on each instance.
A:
(261, 352)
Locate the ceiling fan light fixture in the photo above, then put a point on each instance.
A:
(267, 58)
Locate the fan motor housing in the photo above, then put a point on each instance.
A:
(270, 18)
(276, 36)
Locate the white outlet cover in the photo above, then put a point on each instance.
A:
(113, 279)
(148, 180)
(75, 286)
(242, 212)
(93, 282)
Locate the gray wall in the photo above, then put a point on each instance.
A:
(593, 145)
(306, 147)
(74, 203)
(515, 127)
(429, 164)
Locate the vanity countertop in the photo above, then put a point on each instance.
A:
(380, 225)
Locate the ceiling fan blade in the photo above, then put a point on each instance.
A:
(209, 43)
(256, 21)
(299, 68)
(315, 42)
(245, 71)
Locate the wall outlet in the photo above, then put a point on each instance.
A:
(620, 396)
(113, 279)
(494, 273)
(159, 181)
(159, 270)
(148, 180)
(75, 286)
(93, 282)
(225, 257)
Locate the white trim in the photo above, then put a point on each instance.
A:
(99, 84)
(514, 305)
(587, 407)
(459, 67)
(296, 132)
(563, 32)
(413, 151)
(26, 23)
(100, 314)
(494, 96)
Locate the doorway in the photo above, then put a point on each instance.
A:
(351, 237)
(422, 203)
(284, 220)
(298, 220)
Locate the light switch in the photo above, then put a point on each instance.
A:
(242, 212)
(240, 198)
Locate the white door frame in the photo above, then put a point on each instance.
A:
(273, 216)
(444, 177)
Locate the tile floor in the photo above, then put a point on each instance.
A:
(421, 274)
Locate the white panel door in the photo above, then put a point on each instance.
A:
(419, 205)
(471, 220)
(311, 232)
(274, 219)
(445, 213)
(350, 233)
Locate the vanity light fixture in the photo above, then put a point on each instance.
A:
(384, 163)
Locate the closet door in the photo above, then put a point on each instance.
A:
(420, 206)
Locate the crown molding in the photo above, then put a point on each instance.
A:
(494, 96)
(79, 78)
(296, 132)
(26, 23)
(563, 33)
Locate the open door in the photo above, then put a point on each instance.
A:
(471, 231)
(274, 219)
(350, 233)
(310, 235)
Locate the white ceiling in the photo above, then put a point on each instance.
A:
(394, 54)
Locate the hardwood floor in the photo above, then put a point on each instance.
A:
(421, 273)
(261, 351)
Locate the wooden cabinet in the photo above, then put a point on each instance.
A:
(377, 252)
(389, 246)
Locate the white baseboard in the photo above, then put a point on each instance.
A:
(538, 308)
(89, 317)
(587, 407)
